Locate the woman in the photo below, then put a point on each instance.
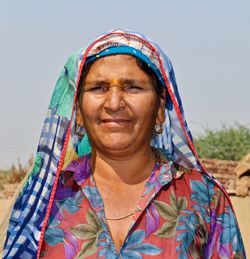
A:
(116, 172)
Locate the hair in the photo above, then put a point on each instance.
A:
(155, 80)
(141, 64)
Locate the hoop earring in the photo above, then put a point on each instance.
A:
(158, 129)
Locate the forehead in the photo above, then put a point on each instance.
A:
(115, 66)
(114, 59)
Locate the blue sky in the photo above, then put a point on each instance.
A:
(208, 43)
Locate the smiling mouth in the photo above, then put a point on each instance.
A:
(118, 120)
(115, 123)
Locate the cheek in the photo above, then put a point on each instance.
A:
(152, 114)
(87, 112)
(150, 106)
(147, 110)
(89, 106)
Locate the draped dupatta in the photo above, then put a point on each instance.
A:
(60, 143)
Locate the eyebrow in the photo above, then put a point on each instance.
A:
(121, 80)
(96, 82)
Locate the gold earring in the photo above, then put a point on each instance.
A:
(158, 129)
(79, 131)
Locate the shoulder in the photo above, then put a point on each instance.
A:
(201, 184)
(210, 207)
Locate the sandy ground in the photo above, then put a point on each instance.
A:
(4, 205)
(242, 211)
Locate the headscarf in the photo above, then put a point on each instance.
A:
(60, 141)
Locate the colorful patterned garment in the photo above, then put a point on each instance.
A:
(178, 221)
(181, 214)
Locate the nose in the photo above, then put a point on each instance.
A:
(114, 99)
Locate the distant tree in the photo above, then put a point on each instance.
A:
(17, 173)
(231, 142)
(3, 178)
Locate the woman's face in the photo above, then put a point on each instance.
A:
(119, 105)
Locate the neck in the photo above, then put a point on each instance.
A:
(130, 170)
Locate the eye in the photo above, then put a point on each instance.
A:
(133, 88)
(97, 89)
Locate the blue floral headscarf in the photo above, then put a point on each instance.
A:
(60, 143)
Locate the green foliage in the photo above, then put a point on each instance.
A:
(228, 143)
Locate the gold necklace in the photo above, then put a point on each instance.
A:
(123, 217)
(158, 160)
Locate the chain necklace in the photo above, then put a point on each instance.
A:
(158, 160)
(123, 217)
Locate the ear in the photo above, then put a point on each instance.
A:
(161, 109)
(79, 119)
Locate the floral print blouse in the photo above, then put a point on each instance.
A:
(181, 214)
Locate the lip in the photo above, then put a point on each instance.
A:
(115, 123)
(115, 120)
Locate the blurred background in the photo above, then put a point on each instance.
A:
(208, 43)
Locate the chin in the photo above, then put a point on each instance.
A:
(116, 146)
(117, 140)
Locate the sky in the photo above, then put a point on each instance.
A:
(207, 41)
